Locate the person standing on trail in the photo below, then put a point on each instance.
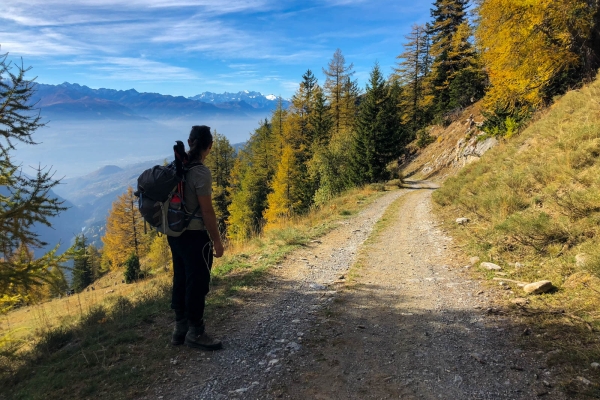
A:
(193, 251)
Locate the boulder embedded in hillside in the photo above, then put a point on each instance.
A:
(462, 221)
(490, 266)
(538, 287)
(580, 260)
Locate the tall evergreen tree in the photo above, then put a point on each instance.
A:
(377, 139)
(82, 266)
(411, 71)
(220, 161)
(467, 78)
(338, 89)
(448, 16)
(24, 201)
(251, 177)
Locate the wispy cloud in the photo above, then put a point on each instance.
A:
(135, 69)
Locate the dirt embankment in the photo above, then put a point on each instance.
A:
(408, 323)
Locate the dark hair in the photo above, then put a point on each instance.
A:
(200, 140)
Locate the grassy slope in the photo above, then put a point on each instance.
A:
(113, 342)
(535, 200)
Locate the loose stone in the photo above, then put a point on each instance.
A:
(538, 287)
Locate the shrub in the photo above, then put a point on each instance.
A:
(132, 269)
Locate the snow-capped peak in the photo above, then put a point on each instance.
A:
(271, 97)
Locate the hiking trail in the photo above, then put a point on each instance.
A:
(411, 324)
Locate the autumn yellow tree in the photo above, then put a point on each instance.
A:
(286, 197)
(529, 46)
(124, 231)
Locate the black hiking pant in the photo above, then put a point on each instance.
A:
(192, 261)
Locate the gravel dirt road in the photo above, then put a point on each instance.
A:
(410, 323)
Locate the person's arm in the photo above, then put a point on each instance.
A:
(210, 222)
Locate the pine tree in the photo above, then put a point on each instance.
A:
(378, 138)
(124, 231)
(24, 201)
(320, 120)
(410, 73)
(220, 161)
(95, 259)
(82, 266)
(339, 90)
(448, 16)
(132, 268)
(251, 177)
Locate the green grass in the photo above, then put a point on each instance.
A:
(535, 200)
(118, 347)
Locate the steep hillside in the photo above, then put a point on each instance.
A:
(453, 146)
(533, 208)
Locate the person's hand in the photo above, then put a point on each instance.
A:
(218, 249)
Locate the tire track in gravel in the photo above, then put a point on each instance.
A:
(413, 326)
(263, 342)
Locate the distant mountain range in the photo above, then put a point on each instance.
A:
(254, 99)
(100, 140)
(73, 101)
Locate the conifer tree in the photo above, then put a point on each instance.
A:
(320, 120)
(411, 71)
(466, 77)
(220, 161)
(95, 259)
(339, 90)
(82, 266)
(533, 50)
(378, 138)
(24, 201)
(132, 268)
(124, 231)
(286, 197)
(448, 16)
(251, 177)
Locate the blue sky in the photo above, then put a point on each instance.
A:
(185, 47)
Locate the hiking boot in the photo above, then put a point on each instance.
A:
(198, 338)
(181, 329)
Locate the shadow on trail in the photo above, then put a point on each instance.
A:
(371, 345)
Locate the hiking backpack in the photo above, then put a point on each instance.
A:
(160, 195)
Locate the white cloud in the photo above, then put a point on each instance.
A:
(135, 69)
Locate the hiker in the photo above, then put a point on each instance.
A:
(193, 251)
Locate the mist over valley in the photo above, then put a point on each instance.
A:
(98, 141)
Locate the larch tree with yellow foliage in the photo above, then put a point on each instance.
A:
(286, 197)
(124, 231)
(532, 48)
